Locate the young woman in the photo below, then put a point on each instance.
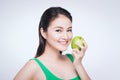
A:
(55, 34)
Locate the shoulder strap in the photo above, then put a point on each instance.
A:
(76, 78)
(47, 73)
(70, 57)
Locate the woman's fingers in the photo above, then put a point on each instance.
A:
(79, 54)
(81, 46)
(86, 46)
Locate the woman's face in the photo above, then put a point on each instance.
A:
(59, 33)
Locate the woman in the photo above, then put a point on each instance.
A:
(55, 34)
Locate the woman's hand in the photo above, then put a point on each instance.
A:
(79, 54)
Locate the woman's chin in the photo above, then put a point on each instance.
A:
(63, 49)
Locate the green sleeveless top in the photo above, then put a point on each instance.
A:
(49, 75)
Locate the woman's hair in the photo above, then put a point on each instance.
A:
(48, 16)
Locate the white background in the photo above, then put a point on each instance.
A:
(98, 21)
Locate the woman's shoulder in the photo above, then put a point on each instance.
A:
(70, 56)
(31, 65)
(28, 71)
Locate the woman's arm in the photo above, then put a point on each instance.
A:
(27, 72)
(78, 56)
(81, 72)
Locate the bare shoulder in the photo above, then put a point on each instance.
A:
(27, 71)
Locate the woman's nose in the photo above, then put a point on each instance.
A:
(65, 35)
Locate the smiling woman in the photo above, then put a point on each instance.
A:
(55, 34)
(59, 33)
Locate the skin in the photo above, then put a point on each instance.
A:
(58, 37)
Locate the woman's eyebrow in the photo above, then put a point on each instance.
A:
(70, 27)
(58, 27)
(63, 27)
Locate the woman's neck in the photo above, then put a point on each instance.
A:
(50, 52)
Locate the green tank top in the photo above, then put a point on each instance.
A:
(49, 75)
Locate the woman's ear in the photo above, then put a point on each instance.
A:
(43, 33)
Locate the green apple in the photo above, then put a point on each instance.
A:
(77, 40)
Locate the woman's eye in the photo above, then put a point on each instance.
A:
(58, 30)
(70, 30)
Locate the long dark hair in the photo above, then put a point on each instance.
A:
(49, 15)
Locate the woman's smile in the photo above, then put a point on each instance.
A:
(65, 42)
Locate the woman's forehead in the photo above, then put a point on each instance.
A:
(60, 22)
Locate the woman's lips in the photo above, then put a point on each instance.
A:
(63, 42)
